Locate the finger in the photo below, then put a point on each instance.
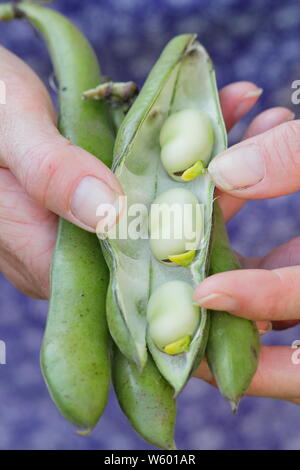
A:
(287, 254)
(62, 177)
(236, 100)
(264, 327)
(27, 238)
(257, 294)
(263, 122)
(277, 376)
(278, 373)
(203, 372)
(264, 166)
(267, 120)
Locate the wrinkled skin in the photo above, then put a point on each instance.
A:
(32, 193)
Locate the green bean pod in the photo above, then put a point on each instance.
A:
(75, 350)
(233, 344)
(146, 399)
(183, 78)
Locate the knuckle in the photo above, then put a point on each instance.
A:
(41, 163)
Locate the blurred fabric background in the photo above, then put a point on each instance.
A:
(256, 40)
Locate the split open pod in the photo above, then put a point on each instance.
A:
(179, 93)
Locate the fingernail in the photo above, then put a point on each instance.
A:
(204, 372)
(291, 116)
(250, 94)
(263, 326)
(217, 301)
(89, 195)
(243, 107)
(202, 300)
(237, 168)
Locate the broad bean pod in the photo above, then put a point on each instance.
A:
(75, 350)
(182, 79)
(233, 343)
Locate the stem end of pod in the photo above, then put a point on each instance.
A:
(115, 93)
(172, 446)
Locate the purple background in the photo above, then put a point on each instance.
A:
(256, 40)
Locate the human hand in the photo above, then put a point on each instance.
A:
(266, 164)
(41, 174)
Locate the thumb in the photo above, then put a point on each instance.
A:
(264, 166)
(59, 175)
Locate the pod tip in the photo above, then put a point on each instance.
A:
(165, 444)
(84, 432)
(172, 446)
(234, 405)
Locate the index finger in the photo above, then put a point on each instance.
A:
(236, 100)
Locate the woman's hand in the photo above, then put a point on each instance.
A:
(41, 174)
(265, 164)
